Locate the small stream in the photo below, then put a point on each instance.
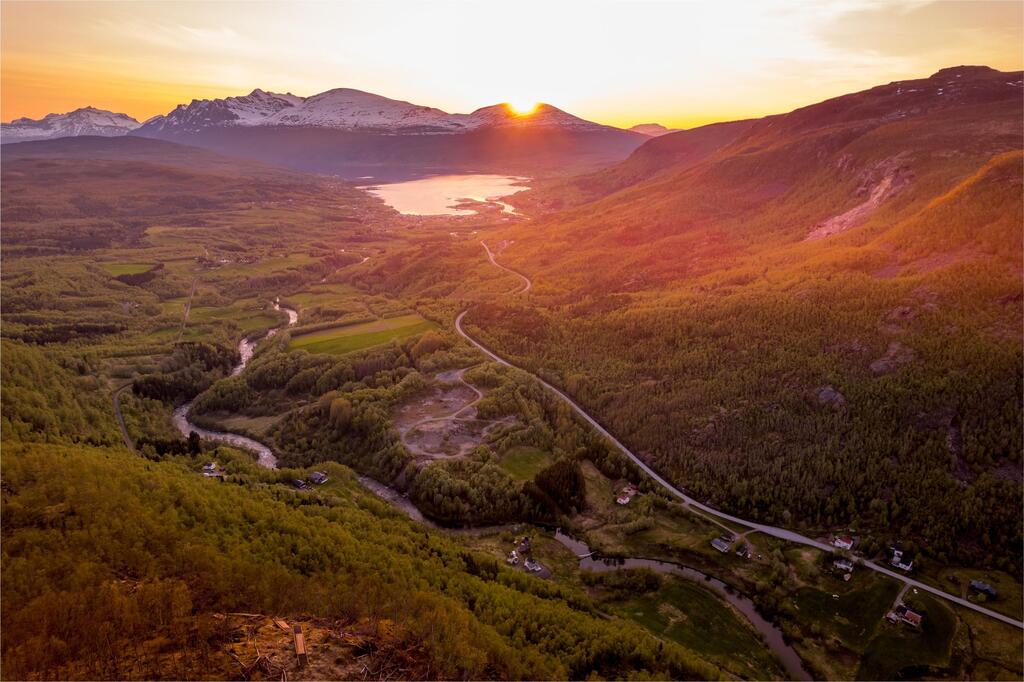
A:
(770, 632)
(246, 348)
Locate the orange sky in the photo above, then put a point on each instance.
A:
(618, 62)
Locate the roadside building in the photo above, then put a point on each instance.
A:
(901, 561)
(843, 542)
(844, 565)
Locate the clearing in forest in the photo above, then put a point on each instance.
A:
(347, 338)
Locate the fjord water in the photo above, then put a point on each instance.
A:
(440, 194)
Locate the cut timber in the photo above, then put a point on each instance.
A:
(281, 624)
(300, 646)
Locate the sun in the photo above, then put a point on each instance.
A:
(522, 107)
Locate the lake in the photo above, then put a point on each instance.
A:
(441, 194)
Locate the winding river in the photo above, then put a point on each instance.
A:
(246, 348)
(771, 633)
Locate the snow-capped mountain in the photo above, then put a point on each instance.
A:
(348, 109)
(251, 109)
(84, 121)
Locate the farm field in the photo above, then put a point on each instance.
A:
(248, 315)
(118, 269)
(685, 613)
(348, 338)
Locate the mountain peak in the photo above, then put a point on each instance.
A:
(82, 121)
(964, 71)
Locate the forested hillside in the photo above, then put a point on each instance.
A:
(814, 320)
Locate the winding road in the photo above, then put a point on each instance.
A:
(774, 531)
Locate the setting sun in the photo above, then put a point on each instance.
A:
(522, 107)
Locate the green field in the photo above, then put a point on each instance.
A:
(523, 462)
(345, 339)
(900, 649)
(248, 315)
(687, 613)
(118, 269)
(855, 616)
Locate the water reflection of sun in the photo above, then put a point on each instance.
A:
(522, 107)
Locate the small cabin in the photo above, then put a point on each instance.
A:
(318, 478)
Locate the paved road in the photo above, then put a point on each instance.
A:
(526, 280)
(774, 531)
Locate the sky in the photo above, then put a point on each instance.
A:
(619, 62)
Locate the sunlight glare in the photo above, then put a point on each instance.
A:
(522, 107)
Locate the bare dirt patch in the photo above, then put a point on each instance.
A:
(878, 184)
(441, 422)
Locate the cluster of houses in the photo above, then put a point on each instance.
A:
(522, 548)
(904, 614)
(315, 478)
(627, 494)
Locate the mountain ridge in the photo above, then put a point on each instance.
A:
(82, 121)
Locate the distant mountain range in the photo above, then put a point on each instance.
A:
(653, 129)
(350, 110)
(355, 134)
(84, 121)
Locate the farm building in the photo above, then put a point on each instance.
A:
(721, 544)
(904, 614)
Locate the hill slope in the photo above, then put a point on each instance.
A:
(814, 323)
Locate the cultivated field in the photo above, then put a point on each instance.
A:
(347, 338)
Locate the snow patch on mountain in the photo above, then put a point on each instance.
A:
(84, 121)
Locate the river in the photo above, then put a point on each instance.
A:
(771, 633)
(246, 348)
